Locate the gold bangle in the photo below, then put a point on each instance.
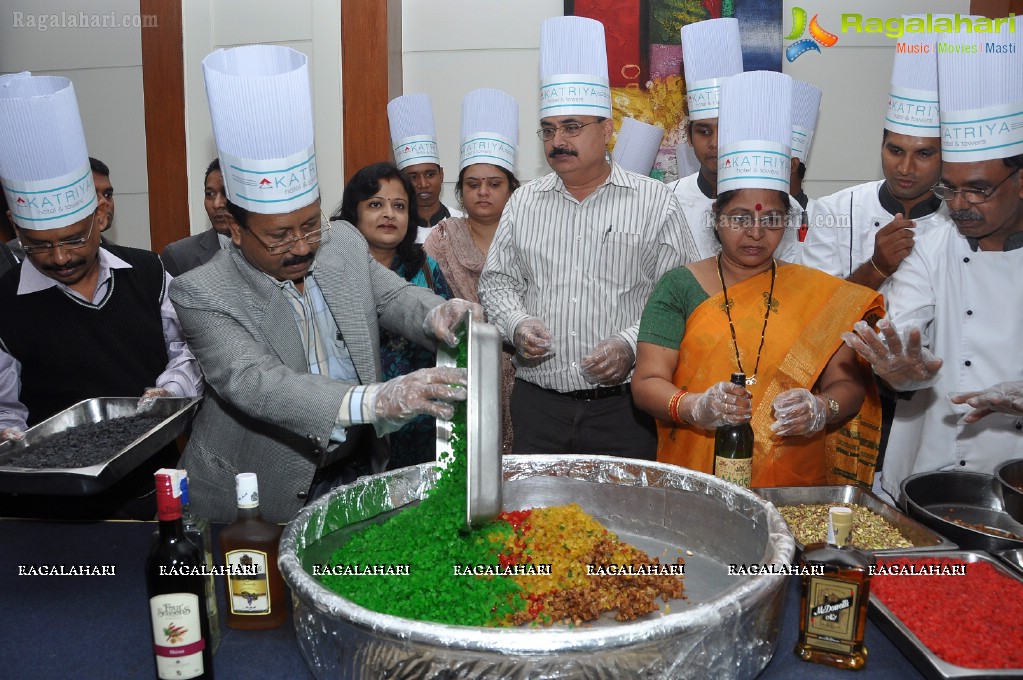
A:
(673, 406)
(878, 269)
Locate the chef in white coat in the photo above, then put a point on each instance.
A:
(864, 232)
(806, 104)
(956, 302)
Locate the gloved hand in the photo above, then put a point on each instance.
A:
(425, 391)
(149, 398)
(532, 339)
(724, 403)
(798, 412)
(441, 321)
(609, 362)
(904, 368)
(1006, 397)
(11, 434)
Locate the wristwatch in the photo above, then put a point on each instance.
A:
(832, 406)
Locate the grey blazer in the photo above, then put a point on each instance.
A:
(190, 252)
(264, 412)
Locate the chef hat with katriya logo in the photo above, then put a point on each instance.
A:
(44, 164)
(413, 136)
(754, 131)
(573, 68)
(711, 51)
(980, 92)
(806, 103)
(490, 129)
(637, 145)
(913, 95)
(262, 115)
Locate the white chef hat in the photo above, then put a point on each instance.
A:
(490, 129)
(573, 68)
(980, 92)
(637, 145)
(263, 123)
(806, 102)
(413, 137)
(44, 165)
(913, 95)
(711, 50)
(754, 131)
(685, 158)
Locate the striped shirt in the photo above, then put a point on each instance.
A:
(584, 268)
(325, 350)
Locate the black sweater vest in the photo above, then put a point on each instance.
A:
(72, 350)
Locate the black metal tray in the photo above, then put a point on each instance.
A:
(926, 661)
(89, 480)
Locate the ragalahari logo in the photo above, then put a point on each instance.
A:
(818, 36)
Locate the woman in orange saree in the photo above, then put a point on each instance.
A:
(811, 402)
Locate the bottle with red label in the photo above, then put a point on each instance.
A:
(176, 588)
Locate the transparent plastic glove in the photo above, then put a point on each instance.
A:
(532, 339)
(426, 391)
(11, 434)
(149, 398)
(1006, 397)
(441, 321)
(798, 412)
(904, 366)
(723, 404)
(609, 362)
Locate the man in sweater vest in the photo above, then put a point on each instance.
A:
(80, 320)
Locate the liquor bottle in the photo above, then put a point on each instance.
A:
(835, 594)
(733, 448)
(256, 595)
(177, 593)
(197, 530)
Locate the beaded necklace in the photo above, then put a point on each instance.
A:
(769, 301)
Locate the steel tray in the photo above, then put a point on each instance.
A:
(95, 478)
(926, 661)
(919, 535)
(483, 419)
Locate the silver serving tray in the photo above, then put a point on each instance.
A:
(483, 419)
(972, 497)
(926, 661)
(922, 538)
(95, 478)
(1014, 558)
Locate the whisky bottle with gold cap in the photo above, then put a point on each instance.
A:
(834, 598)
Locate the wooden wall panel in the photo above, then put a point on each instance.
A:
(163, 85)
(996, 8)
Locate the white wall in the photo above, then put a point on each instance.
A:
(105, 65)
(453, 46)
(309, 26)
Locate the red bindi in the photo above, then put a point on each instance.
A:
(759, 207)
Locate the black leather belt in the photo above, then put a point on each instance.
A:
(598, 392)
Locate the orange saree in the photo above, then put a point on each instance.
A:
(809, 312)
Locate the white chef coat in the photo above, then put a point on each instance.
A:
(842, 231)
(698, 211)
(969, 306)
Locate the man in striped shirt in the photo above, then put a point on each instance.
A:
(574, 259)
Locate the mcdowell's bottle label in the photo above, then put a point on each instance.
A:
(735, 470)
(831, 614)
(246, 575)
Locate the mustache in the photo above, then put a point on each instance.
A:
(965, 216)
(561, 151)
(67, 265)
(297, 259)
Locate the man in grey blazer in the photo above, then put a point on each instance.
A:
(267, 410)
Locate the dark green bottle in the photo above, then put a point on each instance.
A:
(733, 448)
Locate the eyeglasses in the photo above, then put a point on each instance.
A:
(70, 244)
(971, 196)
(285, 245)
(567, 130)
(745, 221)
